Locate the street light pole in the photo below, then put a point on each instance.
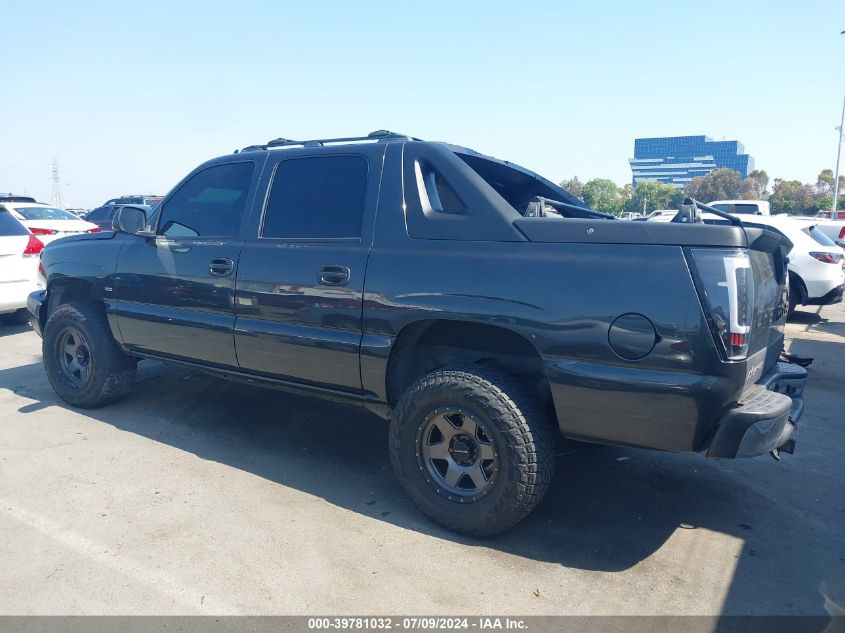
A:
(833, 213)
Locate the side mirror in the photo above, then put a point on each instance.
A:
(131, 220)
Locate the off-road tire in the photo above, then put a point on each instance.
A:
(112, 373)
(521, 431)
(794, 293)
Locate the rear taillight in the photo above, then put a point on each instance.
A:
(725, 283)
(842, 233)
(33, 247)
(37, 231)
(96, 229)
(41, 277)
(827, 258)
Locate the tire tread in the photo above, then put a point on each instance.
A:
(530, 440)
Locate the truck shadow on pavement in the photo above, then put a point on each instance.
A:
(609, 509)
(813, 321)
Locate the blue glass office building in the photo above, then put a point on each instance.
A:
(675, 160)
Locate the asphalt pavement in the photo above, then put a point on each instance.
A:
(195, 495)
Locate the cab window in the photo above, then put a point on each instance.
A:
(210, 203)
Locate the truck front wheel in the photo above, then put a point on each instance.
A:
(472, 449)
(82, 360)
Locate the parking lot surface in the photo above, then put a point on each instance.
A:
(196, 495)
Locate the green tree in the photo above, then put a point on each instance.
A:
(825, 202)
(573, 186)
(624, 195)
(719, 184)
(758, 180)
(652, 194)
(601, 194)
(824, 182)
(792, 197)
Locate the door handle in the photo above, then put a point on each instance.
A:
(334, 275)
(221, 267)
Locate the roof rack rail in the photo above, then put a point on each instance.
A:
(379, 136)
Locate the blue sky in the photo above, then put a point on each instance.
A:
(131, 96)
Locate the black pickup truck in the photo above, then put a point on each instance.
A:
(475, 305)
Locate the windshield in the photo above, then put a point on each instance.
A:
(820, 237)
(45, 213)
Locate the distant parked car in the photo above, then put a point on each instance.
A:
(19, 250)
(9, 197)
(630, 215)
(742, 207)
(816, 264)
(834, 229)
(147, 201)
(48, 223)
(660, 215)
(104, 215)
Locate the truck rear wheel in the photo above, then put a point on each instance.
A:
(471, 449)
(794, 295)
(83, 362)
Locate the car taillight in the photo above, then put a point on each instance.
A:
(33, 247)
(827, 258)
(725, 284)
(37, 231)
(96, 229)
(842, 233)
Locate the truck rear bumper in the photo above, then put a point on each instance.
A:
(765, 417)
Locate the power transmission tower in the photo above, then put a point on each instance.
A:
(56, 195)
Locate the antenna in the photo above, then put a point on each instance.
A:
(56, 195)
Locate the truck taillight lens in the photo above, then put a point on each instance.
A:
(41, 277)
(725, 283)
(33, 247)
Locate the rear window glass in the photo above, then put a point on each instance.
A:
(820, 237)
(10, 226)
(45, 213)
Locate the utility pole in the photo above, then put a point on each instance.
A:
(833, 213)
(56, 195)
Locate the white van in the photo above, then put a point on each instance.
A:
(742, 207)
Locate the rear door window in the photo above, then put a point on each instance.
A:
(317, 198)
(9, 226)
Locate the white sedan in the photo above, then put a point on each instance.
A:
(48, 223)
(19, 251)
(816, 264)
